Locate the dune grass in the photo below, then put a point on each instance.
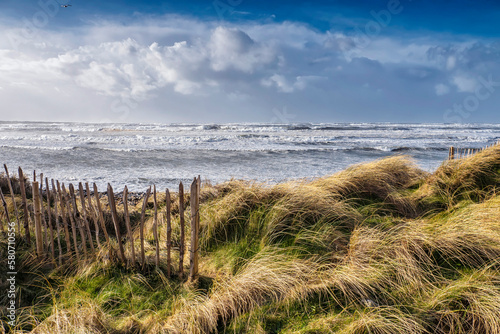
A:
(381, 247)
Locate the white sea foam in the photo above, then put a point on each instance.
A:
(140, 153)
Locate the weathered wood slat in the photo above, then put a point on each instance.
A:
(64, 215)
(38, 219)
(77, 219)
(155, 229)
(85, 217)
(101, 221)
(4, 203)
(127, 222)
(193, 274)
(181, 223)
(114, 215)
(72, 220)
(169, 232)
(94, 215)
(49, 211)
(45, 238)
(11, 190)
(54, 189)
(143, 216)
(24, 207)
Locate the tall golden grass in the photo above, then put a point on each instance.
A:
(381, 247)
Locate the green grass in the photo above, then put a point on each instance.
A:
(381, 247)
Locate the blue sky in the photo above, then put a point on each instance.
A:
(250, 61)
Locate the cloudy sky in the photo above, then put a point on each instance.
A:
(250, 61)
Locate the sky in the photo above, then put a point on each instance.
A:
(226, 61)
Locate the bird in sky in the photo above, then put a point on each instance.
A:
(65, 6)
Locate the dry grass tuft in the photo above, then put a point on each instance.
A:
(269, 277)
(381, 179)
(475, 177)
(382, 320)
(470, 304)
(86, 318)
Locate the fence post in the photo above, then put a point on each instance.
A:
(45, 238)
(127, 222)
(114, 215)
(6, 210)
(49, 211)
(181, 222)
(94, 215)
(57, 221)
(85, 218)
(74, 219)
(143, 216)
(62, 200)
(38, 219)
(25, 207)
(169, 232)
(193, 274)
(155, 229)
(11, 190)
(101, 220)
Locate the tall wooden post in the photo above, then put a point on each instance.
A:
(54, 189)
(11, 190)
(78, 222)
(25, 207)
(193, 274)
(72, 220)
(85, 217)
(38, 219)
(127, 222)
(49, 211)
(45, 238)
(169, 233)
(6, 211)
(94, 215)
(101, 221)
(155, 229)
(143, 216)
(62, 201)
(181, 222)
(114, 215)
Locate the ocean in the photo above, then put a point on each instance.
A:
(139, 155)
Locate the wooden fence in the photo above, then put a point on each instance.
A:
(67, 223)
(458, 153)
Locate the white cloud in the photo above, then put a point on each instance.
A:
(465, 83)
(451, 63)
(232, 48)
(442, 89)
(285, 86)
(180, 63)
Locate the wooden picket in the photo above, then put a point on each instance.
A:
(155, 229)
(127, 223)
(181, 226)
(11, 190)
(141, 227)
(24, 207)
(49, 212)
(169, 232)
(85, 218)
(114, 216)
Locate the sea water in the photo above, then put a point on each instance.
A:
(139, 155)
